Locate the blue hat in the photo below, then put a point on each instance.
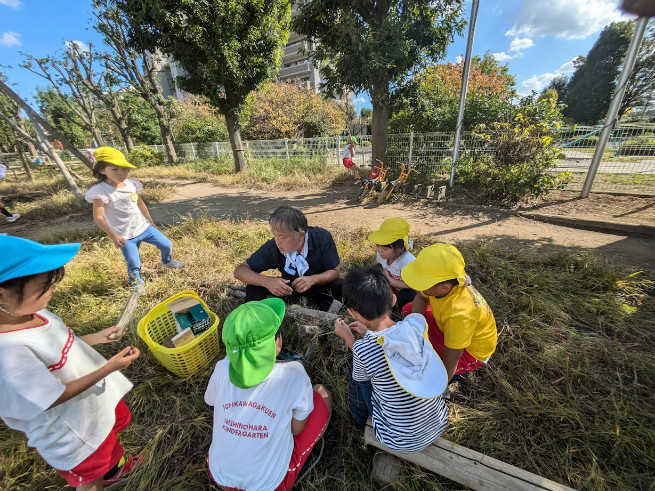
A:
(22, 257)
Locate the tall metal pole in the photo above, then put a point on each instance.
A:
(465, 82)
(613, 111)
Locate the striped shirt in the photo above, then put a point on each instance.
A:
(401, 421)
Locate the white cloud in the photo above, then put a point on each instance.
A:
(14, 4)
(359, 100)
(81, 46)
(538, 82)
(502, 56)
(459, 59)
(575, 19)
(519, 44)
(10, 39)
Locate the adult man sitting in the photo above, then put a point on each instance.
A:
(306, 258)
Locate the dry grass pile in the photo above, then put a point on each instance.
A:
(568, 395)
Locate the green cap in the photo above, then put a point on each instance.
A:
(249, 337)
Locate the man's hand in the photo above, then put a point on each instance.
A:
(303, 283)
(278, 287)
(123, 359)
(119, 240)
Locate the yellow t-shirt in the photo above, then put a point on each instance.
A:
(466, 321)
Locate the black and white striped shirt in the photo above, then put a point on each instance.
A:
(401, 421)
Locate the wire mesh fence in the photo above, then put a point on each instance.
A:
(627, 164)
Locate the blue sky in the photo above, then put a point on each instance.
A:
(536, 38)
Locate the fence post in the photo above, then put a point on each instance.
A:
(218, 149)
(193, 151)
(286, 148)
(338, 150)
(411, 147)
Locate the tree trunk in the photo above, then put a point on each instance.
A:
(49, 149)
(165, 131)
(35, 117)
(380, 119)
(121, 124)
(97, 136)
(23, 160)
(238, 152)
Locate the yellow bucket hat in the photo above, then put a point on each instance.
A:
(111, 156)
(390, 231)
(434, 264)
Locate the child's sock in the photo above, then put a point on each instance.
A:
(112, 472)
(5, 212)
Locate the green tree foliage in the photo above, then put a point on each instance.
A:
(559, 84)
(227, 48)
(197, 122)
(141, 119)
(364, 45)
(518, 155)
(430, 101)
(640, 91)
(62, 118)
(592, 85)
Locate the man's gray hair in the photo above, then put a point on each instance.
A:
(289, 218)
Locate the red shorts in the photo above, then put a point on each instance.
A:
(302, 444)
(467, 362)
(105, 457)
(348, 163)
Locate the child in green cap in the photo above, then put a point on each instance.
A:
(267, 415)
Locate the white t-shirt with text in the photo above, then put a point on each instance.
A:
(398, 265)
(121, 209)
(252, 441)
(35, 363)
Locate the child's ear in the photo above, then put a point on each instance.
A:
(394, 299)
(278, 344)
(353, 313)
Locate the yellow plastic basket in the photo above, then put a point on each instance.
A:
(159, 324)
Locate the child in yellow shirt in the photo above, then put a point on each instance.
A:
(461, 326)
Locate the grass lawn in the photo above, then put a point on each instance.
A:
(568, 395)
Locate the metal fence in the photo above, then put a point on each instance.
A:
(627, 165)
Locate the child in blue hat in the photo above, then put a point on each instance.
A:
(61, 393)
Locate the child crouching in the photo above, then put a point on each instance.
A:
(267, 415)
(397, 378)
(56, 389)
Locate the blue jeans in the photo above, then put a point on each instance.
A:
(131, 251)
(361, 403)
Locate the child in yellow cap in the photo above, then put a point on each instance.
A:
(462, 328)
(121, 213)
(393, 246)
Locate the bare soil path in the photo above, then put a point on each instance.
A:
(334, 208)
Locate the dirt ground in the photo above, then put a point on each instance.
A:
(334, 208)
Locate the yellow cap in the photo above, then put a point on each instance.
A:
(434, 264)
(390, 231)
(111, 156)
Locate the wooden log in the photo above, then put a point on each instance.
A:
(468, 467)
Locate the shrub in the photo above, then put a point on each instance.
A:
(522, 154)
(146, 157)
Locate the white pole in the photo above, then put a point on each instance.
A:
(613, 111)
(465, 81)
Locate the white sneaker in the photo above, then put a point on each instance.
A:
(13, 217)
(173, 264)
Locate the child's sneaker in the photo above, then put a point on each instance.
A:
(173, 264)
(13, 217)
(124, 471)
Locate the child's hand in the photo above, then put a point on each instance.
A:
(119, 240)
(101, 337)
(123, 359)
(358, 327)
(342, 329)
